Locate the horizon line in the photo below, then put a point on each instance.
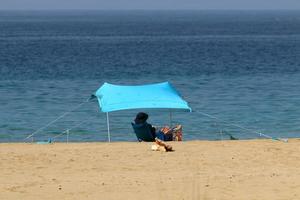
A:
(152, 9)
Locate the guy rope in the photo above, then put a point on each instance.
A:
(243, 128)
(59, 117)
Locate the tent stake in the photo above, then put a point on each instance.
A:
(108, 131)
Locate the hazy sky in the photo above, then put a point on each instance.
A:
(149, 4)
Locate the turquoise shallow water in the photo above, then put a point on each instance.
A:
(242, 67)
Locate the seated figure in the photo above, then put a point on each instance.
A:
(146, 132)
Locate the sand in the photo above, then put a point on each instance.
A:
(254, 169)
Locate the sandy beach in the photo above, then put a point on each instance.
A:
(254, 169)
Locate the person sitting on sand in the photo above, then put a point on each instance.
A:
(142, 127)
(141, 118)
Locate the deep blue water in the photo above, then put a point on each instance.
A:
(240, 66)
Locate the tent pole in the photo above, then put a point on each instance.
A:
(170, 118)
(108, 131)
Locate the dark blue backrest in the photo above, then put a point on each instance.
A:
(143, 132)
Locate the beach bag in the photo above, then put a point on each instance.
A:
(168, 135)
(174, 134)
(177, 133)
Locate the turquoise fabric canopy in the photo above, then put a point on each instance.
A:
(161, 95)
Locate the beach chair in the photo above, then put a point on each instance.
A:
(143, 132)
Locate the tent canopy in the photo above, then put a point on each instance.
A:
(161, 95)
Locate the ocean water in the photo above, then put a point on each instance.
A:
(242, 67)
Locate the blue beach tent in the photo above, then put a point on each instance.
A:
(159, 96)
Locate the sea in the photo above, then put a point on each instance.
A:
(238, 70)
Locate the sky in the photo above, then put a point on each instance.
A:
(149, 4)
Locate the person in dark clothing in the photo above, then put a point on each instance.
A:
(141, 118)
(165, 134)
